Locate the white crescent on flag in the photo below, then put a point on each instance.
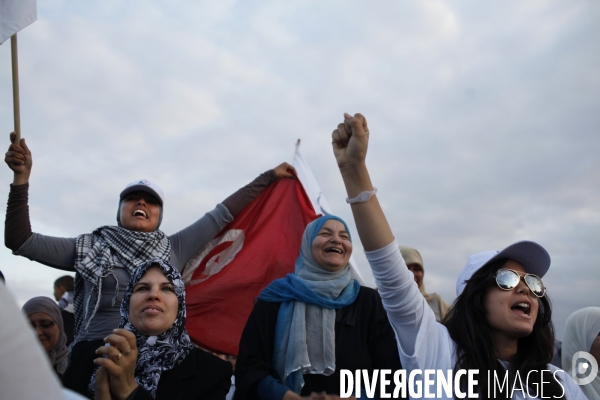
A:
(259, 246)
(214, 257)
(15, 15)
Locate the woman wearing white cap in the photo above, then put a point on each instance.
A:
(501, 319)
(105, 259)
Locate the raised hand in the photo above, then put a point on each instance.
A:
(285, 170)
(18, 158)
(120, 362)
(350, 140)
(350, 143)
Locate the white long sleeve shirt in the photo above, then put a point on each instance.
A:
(423, 343)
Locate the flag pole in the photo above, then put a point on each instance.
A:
(15, 80)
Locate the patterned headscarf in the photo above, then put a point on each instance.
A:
(157, 354)
(58, 353)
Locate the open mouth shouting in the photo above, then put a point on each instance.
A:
(522, 308)
(139, 213)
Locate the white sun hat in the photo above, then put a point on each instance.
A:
(144, 185)
(534, 258)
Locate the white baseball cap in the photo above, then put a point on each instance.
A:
(534, 258)
(144, 185)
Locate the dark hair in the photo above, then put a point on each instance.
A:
(65, 281)
(468, 327)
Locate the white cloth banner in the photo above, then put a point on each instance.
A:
(317, 199)
(15, 15)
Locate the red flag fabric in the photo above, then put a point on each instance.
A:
(259, 246)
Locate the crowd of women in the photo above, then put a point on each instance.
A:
(130, 340)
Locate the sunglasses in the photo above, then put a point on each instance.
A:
(507, 279)
(44, 325)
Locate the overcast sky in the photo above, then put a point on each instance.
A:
(484, 119)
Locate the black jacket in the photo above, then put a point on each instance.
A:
(364, 339)
(200, 376)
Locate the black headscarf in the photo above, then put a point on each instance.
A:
(157, 354)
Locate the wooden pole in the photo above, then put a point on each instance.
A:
(15, 80)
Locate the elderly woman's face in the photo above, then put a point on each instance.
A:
(153, 304)
(46, 328)
(332, 248)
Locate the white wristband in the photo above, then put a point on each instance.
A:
(361, 198)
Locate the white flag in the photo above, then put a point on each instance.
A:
(312, 189)
(15, 15)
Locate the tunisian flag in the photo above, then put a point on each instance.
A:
(259, 246)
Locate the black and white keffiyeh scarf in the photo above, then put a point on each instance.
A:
(157, 354)
(97, 254)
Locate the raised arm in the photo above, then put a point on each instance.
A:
(18, 158)
(52, 251)
(406, 308)
(244, 196)
(17, 228)
(350, 142)
(192, 239)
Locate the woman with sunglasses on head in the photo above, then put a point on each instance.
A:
(501, 319)
(104, 260)
(151, 356)
(44, 315)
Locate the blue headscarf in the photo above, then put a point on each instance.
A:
(305, 330)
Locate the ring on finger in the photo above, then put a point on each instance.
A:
(127, 352)
(118, 357)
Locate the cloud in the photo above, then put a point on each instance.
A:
(483, 117)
